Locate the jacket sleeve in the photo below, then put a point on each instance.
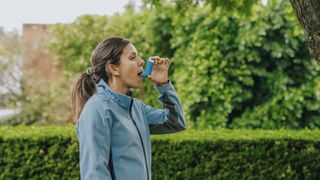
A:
(170, 118)
(93, 130)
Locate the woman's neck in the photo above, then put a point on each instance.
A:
(118, 88)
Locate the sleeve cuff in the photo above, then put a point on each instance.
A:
(164, 87)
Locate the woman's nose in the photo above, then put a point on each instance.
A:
(141, 62)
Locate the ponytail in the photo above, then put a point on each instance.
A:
(83, 88)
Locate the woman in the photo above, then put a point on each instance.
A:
(113, 128)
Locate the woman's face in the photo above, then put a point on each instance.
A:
(131, 65)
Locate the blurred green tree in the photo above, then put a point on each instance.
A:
(10, 65)
(231, 69)
(246, 71)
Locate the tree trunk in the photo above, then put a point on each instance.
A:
(308, 13)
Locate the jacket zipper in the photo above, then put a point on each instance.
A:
(144, 152)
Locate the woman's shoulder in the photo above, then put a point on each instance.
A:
(98, 100)
(94, 112)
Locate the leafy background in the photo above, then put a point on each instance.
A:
(239, 64)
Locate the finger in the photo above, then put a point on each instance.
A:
(167, 61)
(162, 60)
(155, 66)
(155, 58)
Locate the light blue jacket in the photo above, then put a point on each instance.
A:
(124, 124)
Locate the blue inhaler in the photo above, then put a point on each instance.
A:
(147, 72)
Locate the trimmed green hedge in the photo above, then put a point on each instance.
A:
(33, 152)
(51, 152)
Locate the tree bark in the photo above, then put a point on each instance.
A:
(308, 13)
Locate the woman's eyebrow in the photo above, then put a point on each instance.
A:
(133, 53)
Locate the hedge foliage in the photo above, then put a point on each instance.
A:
(231, 69)
(51, 152)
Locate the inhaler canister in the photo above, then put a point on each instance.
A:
(147, 72)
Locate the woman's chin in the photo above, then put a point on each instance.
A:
(137, 86)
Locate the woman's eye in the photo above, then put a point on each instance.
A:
(132, 58)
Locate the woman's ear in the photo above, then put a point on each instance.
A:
(113, 69)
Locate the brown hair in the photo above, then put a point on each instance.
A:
(107, 52)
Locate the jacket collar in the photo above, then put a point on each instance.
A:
(123, 100)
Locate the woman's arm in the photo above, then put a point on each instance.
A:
(94, 139)
(169, 119)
